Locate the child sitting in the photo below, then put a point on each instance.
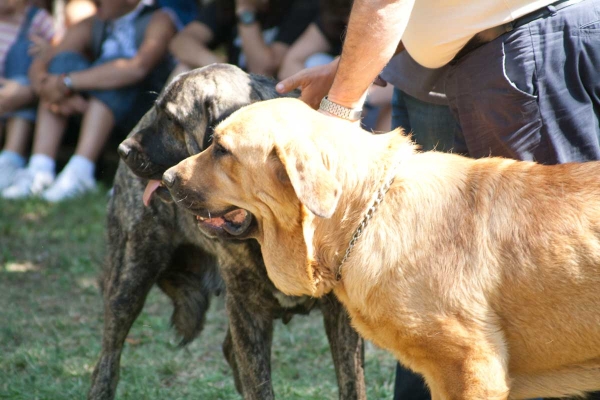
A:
(127, 40)
(18, 23)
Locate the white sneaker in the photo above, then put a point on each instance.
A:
(8, 171)
(68, 185)
(28, 183)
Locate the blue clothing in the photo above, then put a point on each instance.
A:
(185, 11)
(17, 63)
(112, 40)
(433, 126)
(533, 93)
(120, 101)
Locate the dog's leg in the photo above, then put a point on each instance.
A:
(122, 305)
(251, 334)
(471, 372)
(190, 282)
(131, 272)
(347, 349)
(230, 357)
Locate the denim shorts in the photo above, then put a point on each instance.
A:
(120, 101)
(16, 67)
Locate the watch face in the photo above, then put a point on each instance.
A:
(247, 17)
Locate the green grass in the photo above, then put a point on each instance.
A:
(51, 323)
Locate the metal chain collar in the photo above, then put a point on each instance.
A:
(363, 224)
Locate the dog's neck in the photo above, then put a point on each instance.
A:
(361, 179)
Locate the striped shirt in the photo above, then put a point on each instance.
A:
(41, 25)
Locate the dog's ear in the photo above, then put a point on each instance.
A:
(314, 184)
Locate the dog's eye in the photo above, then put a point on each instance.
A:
(219, 151)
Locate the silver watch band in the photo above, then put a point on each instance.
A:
(68, 82)
(351, 114)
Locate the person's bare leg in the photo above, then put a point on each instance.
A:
(98, 122)
(49, 131)
(18, 135)
(40, 170)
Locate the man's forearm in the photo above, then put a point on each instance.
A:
(374, 32)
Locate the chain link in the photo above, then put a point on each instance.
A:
(363, 224)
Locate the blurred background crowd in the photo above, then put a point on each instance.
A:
(88, 70)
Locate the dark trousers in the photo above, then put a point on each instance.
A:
(533, 93)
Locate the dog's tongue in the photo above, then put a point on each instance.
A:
(150, 188)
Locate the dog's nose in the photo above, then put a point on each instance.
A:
(169, 178)
(124, 150)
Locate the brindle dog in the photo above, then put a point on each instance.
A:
(161, 244)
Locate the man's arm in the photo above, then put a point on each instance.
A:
(374, 31)
(123, 72)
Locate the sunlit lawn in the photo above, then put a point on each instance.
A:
(51, 321)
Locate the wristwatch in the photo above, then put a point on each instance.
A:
(68, 82)
(351, 114)
(246, 17)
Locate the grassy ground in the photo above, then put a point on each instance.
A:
(51, 319)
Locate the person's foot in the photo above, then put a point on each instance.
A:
(8, 170)
(68, 184)
(28, 183)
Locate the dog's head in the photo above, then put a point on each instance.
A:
(181, 122)
(266, 175)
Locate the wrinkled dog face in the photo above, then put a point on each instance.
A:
(224, 184)
(182, 121)
(266, 176)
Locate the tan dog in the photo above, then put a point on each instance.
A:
(483, 275)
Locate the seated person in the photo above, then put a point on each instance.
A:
(127, 41)
(322, 39)
(18, 22)
(256, 36)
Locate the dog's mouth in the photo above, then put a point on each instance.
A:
(236, 222)
(156, 187)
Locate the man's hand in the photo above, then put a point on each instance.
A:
(39, 46)
(53, 89)
(313, 82)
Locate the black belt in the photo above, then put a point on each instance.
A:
(490, 34)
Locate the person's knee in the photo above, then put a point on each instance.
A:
(68, 61)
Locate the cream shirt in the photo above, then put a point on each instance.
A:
(438, 29)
